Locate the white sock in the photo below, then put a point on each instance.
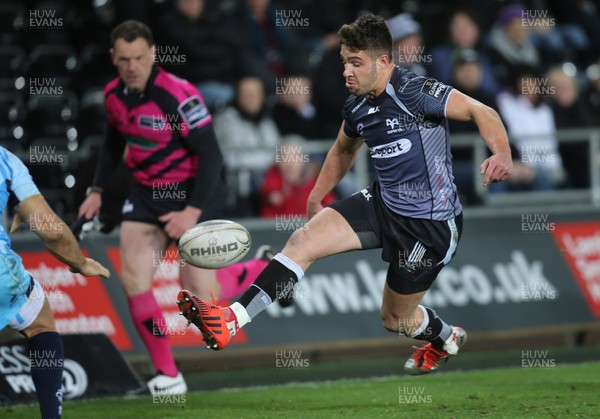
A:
(423, 325)
(241, 314)
(290, 264)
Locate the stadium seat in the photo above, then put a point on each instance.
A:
(12, 115)
(12, 18)
(49, 160)
(50, 22)
(89, 147)
(14, 65)
(14, 147)
(92, 115)
(52, 163)
(95, 68)
(52, 116)
(53, 61)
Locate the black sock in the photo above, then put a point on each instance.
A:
(275, 281)
(46, 354)
(433, 329)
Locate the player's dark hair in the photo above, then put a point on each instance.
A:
(130, 30)
(368, 33)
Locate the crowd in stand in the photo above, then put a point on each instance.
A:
(270, 72)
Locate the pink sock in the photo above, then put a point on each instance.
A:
(150, 324)
(237, 278)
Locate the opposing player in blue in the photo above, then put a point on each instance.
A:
(411, 211)
(22, 303)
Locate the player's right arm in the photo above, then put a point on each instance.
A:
(110, 157)
(31, 207)
(57, 237)
(339, 160)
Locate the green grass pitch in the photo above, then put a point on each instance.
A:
(563, 391)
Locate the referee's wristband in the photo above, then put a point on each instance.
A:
(93, 189)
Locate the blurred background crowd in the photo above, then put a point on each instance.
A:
(270, 72)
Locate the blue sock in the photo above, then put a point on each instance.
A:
(46, 354)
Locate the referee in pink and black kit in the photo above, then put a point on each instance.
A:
(163, 124)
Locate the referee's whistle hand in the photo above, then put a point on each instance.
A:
(90, 207)
(178, 222)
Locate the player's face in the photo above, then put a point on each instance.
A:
(360, 71)
(134, 62)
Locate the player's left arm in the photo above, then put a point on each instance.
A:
(461, 107)
(204, 142)
(201, 139)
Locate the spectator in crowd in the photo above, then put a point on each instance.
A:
(272, 38)
(532, 129)
(463, 32)
(289, 181)
(467, 76)
(593, 92)
(329, 90)
(204, 47)
(294, 112)
(248, 136)
(570, 111)
(510, 46)
(555, 42)
(583, 15)
(408, 49)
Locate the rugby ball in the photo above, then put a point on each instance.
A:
(214, 244)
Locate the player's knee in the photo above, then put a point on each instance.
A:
(299, 244)
(298, 238)
(132, 284)
(37, 329)
(43, 323)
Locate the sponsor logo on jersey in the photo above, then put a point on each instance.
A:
(359, 105)
(365, 192)
(193, 111)
(127, 207)
(359, 128)
(394, 149)
(151, 122)
(373, 110)
(434, 89)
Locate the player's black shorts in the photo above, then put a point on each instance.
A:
(416, 249)
(145, 203)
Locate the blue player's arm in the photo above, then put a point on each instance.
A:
(32, 208)
(56, 236)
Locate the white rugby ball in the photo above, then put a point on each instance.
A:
(214, 244)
